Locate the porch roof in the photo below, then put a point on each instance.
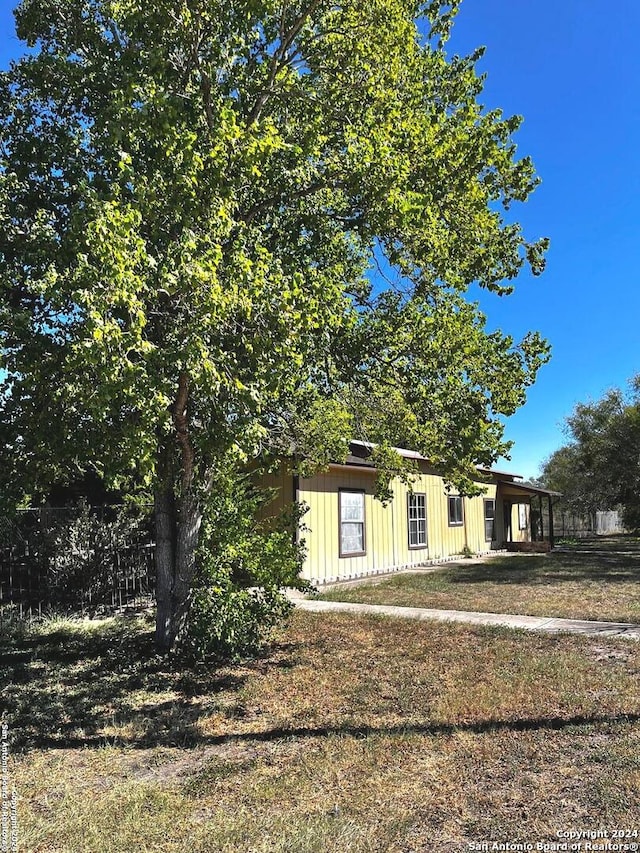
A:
(520, 489)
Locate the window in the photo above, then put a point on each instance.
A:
(351, 509)
(489, 519)
(455, 510)
(417, 519)
(522, 516)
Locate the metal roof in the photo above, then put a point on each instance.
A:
(365, 448)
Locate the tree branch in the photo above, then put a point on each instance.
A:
(250, 214)
(181, 425)
(280, 59)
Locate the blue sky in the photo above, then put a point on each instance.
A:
(572, 69)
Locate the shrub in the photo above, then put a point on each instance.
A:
(244, 565)
(226, 622)
(81, 546)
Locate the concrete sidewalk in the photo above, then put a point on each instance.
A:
(527, 623)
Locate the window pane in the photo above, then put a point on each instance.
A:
(352, 506)
(414, 538)
(489, 517)
(455, 509)
(351, 538)
(417, 519)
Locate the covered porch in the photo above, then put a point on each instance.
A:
(534, 515)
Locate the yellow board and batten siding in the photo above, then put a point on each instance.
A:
(280, 482)
(386, 527)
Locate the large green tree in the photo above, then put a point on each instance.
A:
(599, 468)
(193, 194)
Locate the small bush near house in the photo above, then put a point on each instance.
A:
(80, 547)
(76, 558)
(230, 623)
(244, 567)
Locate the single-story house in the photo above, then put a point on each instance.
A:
(348, 533)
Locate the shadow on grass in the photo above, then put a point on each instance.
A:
(64, 686)
(346, 730)
(610, 561)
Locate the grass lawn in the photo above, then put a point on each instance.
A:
(353, 734)
(591, 580)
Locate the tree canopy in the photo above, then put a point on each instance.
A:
(193, 197)
(599, 469)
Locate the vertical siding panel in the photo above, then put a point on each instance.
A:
(329, 529)
(400, 523)
(311, 522)
(472, 529)
(281, 481)
(315, 528)
(441, 541)
(322, 532)
(398, 534)
(303, 497)
(375, 543)
(387, 542)
(381, 558)
(327, 532)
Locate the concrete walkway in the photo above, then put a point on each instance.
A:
(528, 623)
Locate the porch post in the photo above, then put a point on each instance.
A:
(532, 523)
(550, 521)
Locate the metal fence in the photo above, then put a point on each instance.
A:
(569, 525)
(575, 526)
(609, 523)
(84, 560)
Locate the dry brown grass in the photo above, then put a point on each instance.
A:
(355, 734)
(595, 580)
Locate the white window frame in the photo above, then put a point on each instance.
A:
(417, 512)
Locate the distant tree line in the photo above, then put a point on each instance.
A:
(599, 468)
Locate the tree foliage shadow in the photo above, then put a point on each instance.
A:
(68, 685)
(566, 565)
(427, 728)
(64, 687)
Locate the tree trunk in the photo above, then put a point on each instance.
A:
(178, 522)
(165, 521)
(188, 535)
(177, 533)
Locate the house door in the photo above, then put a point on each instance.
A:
(507, 521)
